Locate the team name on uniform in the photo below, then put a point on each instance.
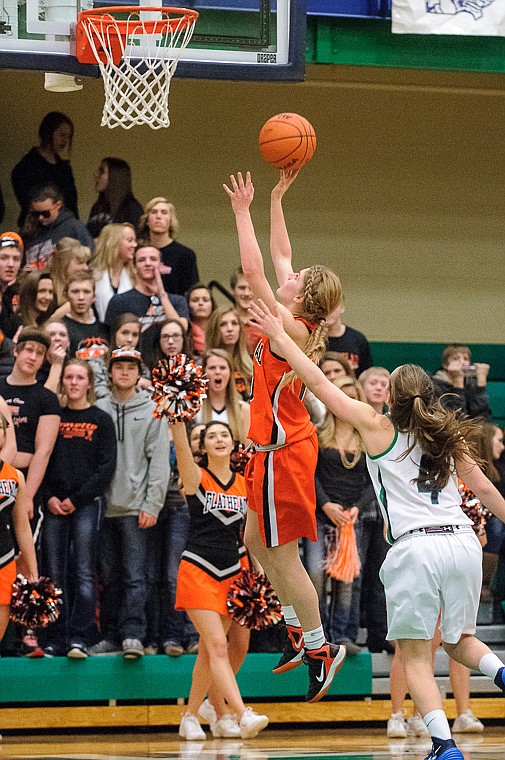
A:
(222, 501)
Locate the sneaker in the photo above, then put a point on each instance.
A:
(151, 649)
(208, 714)
(446, 750)
(30, 645)
(132, 649)
(52, 650)
(104, 647)
(77, 651)
(499, 679)
(416, 726)
(293, 650)
(173, 649)
(251, 723)
(323, 663)
(192, 647)
(190, 728)
(397, 726)
(227, 727)
(467, 723)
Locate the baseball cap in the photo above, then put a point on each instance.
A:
(125, 354)
(11, 239)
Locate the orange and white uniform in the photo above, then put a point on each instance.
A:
(280, 475)
(214, 552)
(9, 483)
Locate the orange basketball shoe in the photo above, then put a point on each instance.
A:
(323, 663)
(292, 652)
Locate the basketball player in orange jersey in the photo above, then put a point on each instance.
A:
(280, 475)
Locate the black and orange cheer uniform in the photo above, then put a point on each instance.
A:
(9, 483)
(212, 558)
(280, 475)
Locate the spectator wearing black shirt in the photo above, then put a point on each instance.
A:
(81, 321)
(148, 299)
(116, 202)
(348, 341)
(11, 254)
(36, 415)
(44, 165)
(159, 225)
(76, 506)
(462, 385)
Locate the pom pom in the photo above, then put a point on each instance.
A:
(35, 605)
(240, 457)
(178, 388)
(342, 559)
(252, 602)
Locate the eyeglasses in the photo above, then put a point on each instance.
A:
(175, 336)
(44, 214)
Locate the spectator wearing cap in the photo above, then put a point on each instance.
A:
(47, 222)
(11, 254)
(36, 415)
(148, 299)
(135, 498)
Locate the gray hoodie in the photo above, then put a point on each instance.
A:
(143, 468)
(40, 245)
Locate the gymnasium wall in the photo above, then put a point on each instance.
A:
(405, 197)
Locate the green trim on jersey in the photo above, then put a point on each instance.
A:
(393, 442)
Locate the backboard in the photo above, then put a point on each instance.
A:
(233, 39)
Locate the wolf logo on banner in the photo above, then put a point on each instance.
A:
(452, 7)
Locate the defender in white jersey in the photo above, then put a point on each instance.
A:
(435, 561)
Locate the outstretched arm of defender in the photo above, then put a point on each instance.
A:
(270, 323)
(280, 246)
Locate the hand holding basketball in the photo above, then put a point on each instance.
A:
(241, 193)
(287, 141)
(287, 178)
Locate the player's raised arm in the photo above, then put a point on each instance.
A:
(280, 245)
(361, 415)
(241, 195)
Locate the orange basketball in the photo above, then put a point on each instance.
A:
(287, 141)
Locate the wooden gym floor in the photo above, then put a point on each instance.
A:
(272, 744)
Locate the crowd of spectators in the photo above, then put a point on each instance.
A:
(86, 312)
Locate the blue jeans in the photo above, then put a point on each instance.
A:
(123, 566)
(166, 542)
(339, 607)
(79, 531)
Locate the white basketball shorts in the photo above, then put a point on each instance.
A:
(426, 574)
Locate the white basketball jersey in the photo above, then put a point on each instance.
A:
(406, 505)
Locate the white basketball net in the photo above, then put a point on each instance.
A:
(137, 92)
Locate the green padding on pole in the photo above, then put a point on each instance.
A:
(60, 679)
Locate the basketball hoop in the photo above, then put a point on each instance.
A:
(137, 49)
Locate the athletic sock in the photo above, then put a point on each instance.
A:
(290, 616)
(437, 724)
(314, 639)
(490, 664)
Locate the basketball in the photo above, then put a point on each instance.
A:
(287, 141)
